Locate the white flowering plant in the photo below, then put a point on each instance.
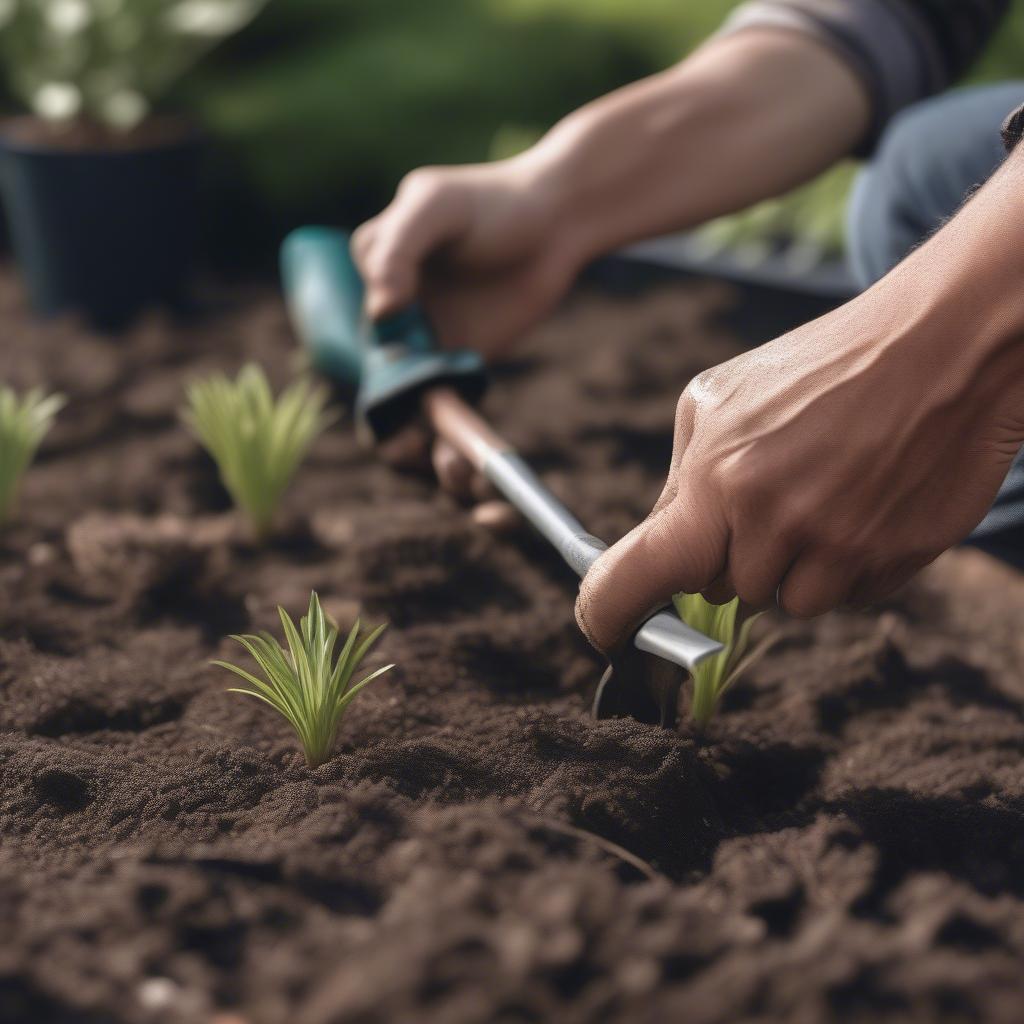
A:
(108, 61)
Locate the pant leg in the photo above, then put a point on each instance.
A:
(930, 157)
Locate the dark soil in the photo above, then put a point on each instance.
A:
(848, 844)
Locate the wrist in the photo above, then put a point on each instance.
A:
(964, 283)
(549, 175)
(955, 332)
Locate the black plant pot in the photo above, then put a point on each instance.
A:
(104, 231)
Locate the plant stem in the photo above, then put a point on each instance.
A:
(704, 701)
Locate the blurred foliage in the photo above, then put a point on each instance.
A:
(319, 106)
(322, 105)
(108, 59)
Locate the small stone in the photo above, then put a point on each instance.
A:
(332, 529)
(41, 554)
(638, 975)
(157, 993)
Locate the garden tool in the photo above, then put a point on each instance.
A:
(397, 371)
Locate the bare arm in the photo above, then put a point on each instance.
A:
(489, 248)
(745, 117)
(831, 464)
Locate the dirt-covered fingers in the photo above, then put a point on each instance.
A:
(680, 547)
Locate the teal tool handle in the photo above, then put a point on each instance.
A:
(392, 360)
(325, 299)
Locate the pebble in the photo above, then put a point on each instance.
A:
(156, 993)
(41, 554)
(332, 529)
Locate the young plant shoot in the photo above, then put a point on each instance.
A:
(302, 682)
(713, 676)
(24, 422)
(256, 441)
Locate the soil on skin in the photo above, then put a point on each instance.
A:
(847, 844)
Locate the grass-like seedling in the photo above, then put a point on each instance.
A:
(24, 422)
(716, 674)
(305, 682)
(256, 441)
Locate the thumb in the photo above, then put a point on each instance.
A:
(426, 213)
(680, 547)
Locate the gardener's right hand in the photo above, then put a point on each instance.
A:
(482, 250)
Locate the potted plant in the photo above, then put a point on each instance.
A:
(100, 189)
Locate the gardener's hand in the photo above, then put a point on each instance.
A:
(828, 466)
(480, 247)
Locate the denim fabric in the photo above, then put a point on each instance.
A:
(931, 156)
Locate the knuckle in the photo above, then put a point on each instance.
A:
(362, 238)
(421, 181)
(790, 530)
(745, 481)
(686, 407)
(753, 585)
(706, 388)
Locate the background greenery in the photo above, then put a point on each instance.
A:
(319, 106)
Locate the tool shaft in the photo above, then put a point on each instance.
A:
(489, 453)
(524, 489)
(663, 634)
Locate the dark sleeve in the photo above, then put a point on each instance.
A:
(902, 50)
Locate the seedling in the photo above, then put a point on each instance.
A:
(301, 682)
(716, 674)
(24, 423)
(257, 442)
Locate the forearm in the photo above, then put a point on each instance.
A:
(745, 117)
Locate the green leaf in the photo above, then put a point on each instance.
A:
(713, 676)
(301, 682)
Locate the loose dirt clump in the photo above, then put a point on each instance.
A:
(847, 843)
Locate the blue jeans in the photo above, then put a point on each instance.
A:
(930, 157)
